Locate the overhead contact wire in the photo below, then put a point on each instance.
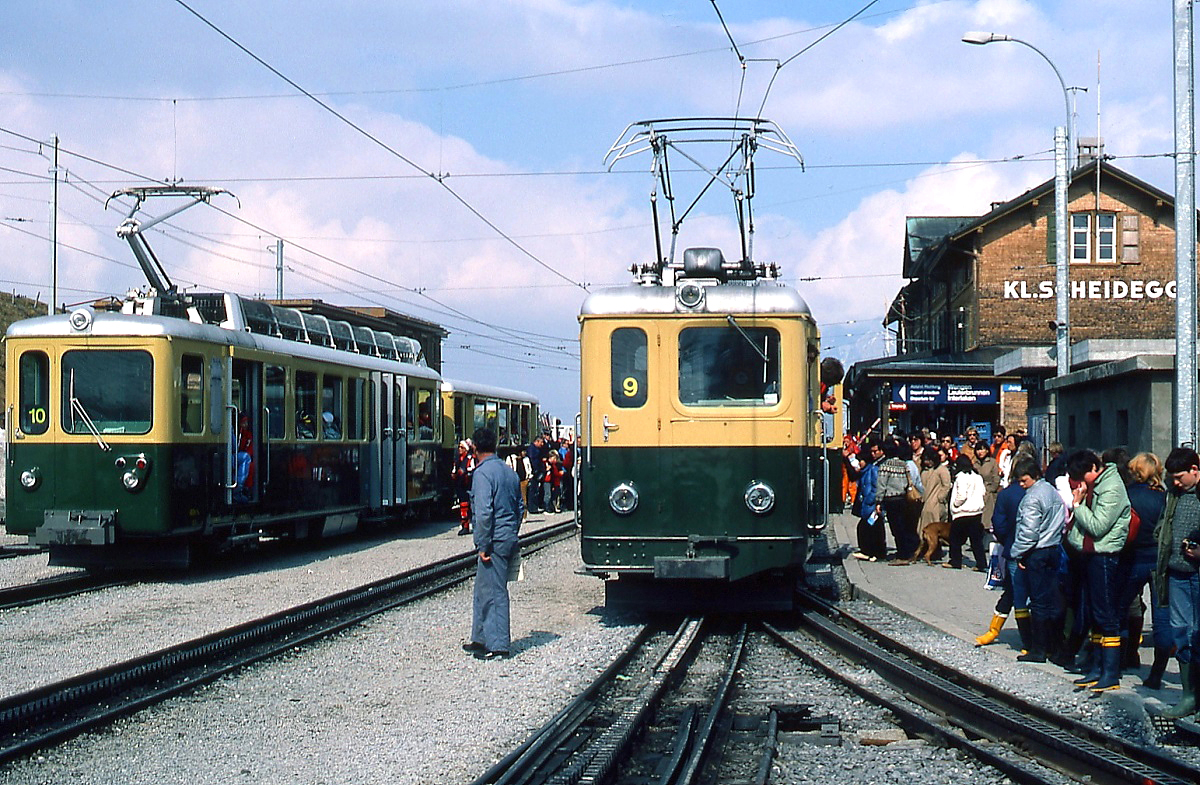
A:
(439, 180)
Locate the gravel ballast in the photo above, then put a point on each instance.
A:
(394, 700)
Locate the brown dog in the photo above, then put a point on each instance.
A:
(931, 537)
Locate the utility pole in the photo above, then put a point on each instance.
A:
(279, 269)
(1185, 229)
(54, 233)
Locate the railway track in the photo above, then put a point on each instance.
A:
(692, 711)
(965, 710)
(56, 712)
(56, 588)
(11, 551)
(661, 712)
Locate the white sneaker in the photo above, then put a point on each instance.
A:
(861, 555)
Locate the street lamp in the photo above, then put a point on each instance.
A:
(976, 37)
(1062, 140)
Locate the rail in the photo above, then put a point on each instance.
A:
(56, 712)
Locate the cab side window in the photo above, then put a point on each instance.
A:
(35, 392)
(629, 371)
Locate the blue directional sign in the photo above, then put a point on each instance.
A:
(945, 392)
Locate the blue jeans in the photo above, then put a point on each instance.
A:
(1141, 566)
(1041, 578)
(1183, 590)
(1103, 576)
(1018, 585)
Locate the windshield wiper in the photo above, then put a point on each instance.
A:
(749, 340)
(77, 409)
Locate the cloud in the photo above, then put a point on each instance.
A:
(868, 243)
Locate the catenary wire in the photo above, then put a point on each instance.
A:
(383, 145)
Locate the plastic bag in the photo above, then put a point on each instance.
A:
(997, 573)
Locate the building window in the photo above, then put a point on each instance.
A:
(1080, 247)
(1094, 237)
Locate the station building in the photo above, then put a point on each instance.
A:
(975, 324)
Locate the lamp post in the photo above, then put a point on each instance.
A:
(1063, 136)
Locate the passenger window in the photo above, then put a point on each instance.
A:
(424, 414)
(460, 418)
(493, 409)
(629, 367)
(480, 416)
(191, 393)
(35, 392)
(354, 410)
(502, 423)
(274, 397)
(306, 405)
(331, 407)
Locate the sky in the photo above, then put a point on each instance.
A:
(448, 160)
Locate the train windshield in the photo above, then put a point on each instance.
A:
(729, 366)
(107, 391)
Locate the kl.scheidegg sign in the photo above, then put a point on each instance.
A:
(1092, 290)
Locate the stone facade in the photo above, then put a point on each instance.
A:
(992, 282)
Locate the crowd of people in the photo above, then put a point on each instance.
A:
(545, 470)
(1073, 543)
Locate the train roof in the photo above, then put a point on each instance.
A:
(758, 297)
(114, 324)
(473, 388)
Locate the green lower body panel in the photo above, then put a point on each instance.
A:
(691, 521)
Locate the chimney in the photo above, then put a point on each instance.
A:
(1089, 148)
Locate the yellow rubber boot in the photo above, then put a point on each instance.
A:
(993, 630)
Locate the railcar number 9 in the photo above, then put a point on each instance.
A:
(630, 386)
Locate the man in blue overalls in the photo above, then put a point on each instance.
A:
(496, 510)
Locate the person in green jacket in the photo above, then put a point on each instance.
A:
(1098, 531)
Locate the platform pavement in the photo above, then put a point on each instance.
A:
(956, 602)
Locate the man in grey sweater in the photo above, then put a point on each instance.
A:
(1041, 518)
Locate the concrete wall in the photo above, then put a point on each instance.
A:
(1132, 410)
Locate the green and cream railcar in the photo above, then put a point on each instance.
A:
(701, 464)
(512, 414)
(136, 437)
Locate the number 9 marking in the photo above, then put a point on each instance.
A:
(630, 386)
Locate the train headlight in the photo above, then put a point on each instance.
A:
(31, 478)
(760, 498)
(131, 480)
(623, 499)
(81, 319)
(690, 295)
